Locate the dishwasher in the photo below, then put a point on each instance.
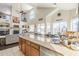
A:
(46, 52)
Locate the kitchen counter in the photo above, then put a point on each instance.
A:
(2, 36)
(46, 43)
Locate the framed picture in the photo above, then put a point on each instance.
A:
(16, 19)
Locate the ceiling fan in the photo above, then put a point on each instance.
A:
(23, 8)
(22, 12)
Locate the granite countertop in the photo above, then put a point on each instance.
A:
(46, 42)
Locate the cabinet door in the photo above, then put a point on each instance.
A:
(27, 50)
(20, 43)
(35, 49)
(24, 46)
(35, 52)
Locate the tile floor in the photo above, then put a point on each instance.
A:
(14, 51)
(8, 46)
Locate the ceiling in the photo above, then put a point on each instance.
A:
(6, 7)
(67, 6)
(5, 4)
(43, 4)
(64, 6)
(26, 5)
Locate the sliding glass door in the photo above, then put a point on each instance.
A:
(59, 27)
(38, 29)
(42, 28)
(48, 26)
(31, 28)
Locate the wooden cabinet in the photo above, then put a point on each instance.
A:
(35, 50)
(23, 46)
(28, 48)
(35, 46)
(20, 43)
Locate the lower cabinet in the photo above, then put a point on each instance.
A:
(31, 49)
(23, 46)
(11, 39)
(35, 49)
(2, 41)
(34, 52)
(20, 43)
(28, 48)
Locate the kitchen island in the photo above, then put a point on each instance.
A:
(39, 45)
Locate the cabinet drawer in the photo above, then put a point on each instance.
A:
(35, 46)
